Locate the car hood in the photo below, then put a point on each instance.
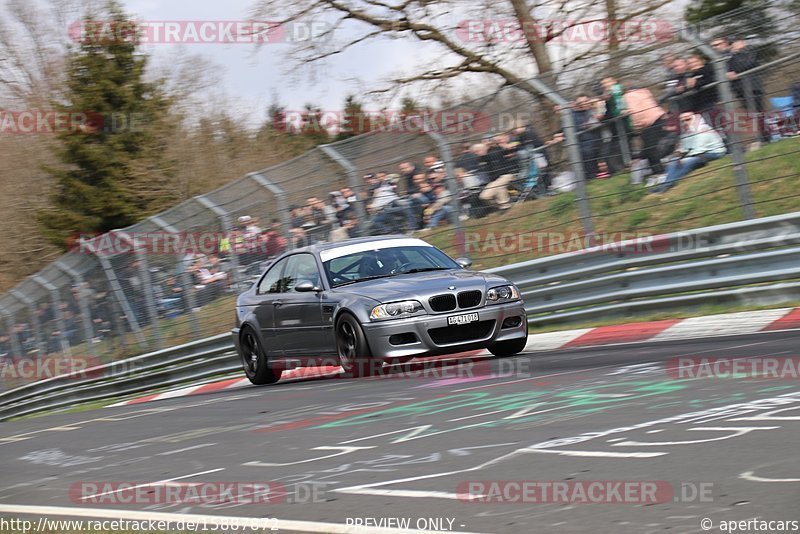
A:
(413, 285)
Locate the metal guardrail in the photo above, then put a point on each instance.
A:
(749, 259)
(742, 260)
(188, 363)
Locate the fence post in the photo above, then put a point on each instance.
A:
(453, 188)
(186, 278)
(737, 153)
(227, 228)
(573, 151)
(624, 144)
(119, 294)
(352, 177)
(55, 302)
(37, 327)
(83, 306)
(16, 348)
(283, 205)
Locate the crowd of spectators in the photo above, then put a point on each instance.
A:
(669, 135)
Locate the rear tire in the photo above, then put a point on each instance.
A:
(254, 361)
(352, 348)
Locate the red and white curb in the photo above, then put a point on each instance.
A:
(667, 330)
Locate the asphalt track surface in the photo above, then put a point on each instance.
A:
(405, 446)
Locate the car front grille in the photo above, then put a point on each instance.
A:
(469, 299)
(461, 333)
(442, 303)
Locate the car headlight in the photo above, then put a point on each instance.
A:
(394, 310)
(502, 294)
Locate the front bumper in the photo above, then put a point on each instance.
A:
(432, 335)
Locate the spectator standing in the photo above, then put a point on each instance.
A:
(616, 124)
(748, 87)
(649, 122)
(703, 94)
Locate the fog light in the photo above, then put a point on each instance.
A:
(405, 338)
(512, 322)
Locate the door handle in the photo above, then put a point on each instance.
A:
(277, 303)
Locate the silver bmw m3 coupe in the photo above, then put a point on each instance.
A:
(363, 302)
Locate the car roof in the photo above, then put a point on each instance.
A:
(319, 247)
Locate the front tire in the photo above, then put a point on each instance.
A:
(352, 348)
(254, 361)
(510, 347)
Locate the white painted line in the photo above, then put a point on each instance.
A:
(342, 450)
(186, 449)
(598, 454)
(753, 478)
(471, 416)
(425, 427)
(152, 483)
(420, 494)
(221, 521)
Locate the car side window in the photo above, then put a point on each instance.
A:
(272, 281)
(300, 267)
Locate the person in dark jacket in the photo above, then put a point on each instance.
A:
(703, 96)
(748, 87)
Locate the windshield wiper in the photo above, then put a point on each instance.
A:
(425, 269)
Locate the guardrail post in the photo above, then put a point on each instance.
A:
(452, 186)
(227, 228)
(186, 278)
(283, 204)
(83, 306)
(58, 313)
(37, 327)
(119, 294)
(737, 152)
(147, 286)
(352, 178)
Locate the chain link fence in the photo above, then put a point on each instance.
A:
(528, 171)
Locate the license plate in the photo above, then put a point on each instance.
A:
(462, 319)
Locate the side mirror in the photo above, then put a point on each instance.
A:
(466, 263)
(306, 286)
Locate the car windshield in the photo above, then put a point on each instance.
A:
(385, 262)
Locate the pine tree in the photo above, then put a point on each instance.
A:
(354, 120)
(114, 166)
